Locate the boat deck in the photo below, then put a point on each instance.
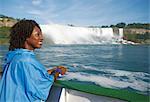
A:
(59, 94)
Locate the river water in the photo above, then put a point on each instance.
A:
(113, 66)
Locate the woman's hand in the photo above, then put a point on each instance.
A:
(50, 70)
(63, 69)
(57, 70)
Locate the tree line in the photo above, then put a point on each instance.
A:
(132, 25)
(124, 25)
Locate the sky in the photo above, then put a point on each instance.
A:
(78, 12)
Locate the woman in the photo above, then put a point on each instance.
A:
(24, 78)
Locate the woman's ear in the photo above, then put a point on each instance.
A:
(27, 39)
(26, 43)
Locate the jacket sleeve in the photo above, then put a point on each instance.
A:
(35, 80)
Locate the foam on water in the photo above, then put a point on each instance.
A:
(120, 79)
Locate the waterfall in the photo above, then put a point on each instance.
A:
(121, 33)
(60, 34)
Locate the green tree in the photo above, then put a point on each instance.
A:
(121, 25)
(104, 26)
(112, 26)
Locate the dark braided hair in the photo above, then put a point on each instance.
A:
(20, 32)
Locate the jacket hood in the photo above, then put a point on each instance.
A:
(11, 54)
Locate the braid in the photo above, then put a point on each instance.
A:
(20, 32)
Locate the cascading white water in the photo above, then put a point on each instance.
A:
(121, 33)
(60, 34)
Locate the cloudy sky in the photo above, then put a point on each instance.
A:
(78, 12)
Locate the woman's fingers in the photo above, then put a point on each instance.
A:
(63, 69)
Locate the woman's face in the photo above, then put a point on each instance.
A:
(35, 40)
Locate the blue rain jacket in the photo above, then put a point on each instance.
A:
(24, 79)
